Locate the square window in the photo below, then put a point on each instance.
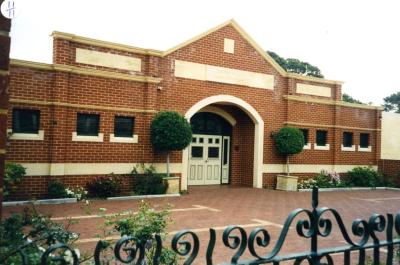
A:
(87, 124)
(123, 126)
(321, 137)
(364, 140)
(26, 121)
(305, 135)
(347, 139)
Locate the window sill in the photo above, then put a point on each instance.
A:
(365, 149)
(85, 138)
(321, 147)
(128, 140)
(351, 149)
(307, 146)
(26, 136)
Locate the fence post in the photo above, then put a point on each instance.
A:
(314, 227)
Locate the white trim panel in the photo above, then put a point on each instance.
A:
(206, 72)
(310, 168)
(321, 147)
(61, 169)
(352, 148)
(322, 91)
(26, 136)
(307, 146)
(365, 149)
(108, 60)
(129, 140)
(86, 138)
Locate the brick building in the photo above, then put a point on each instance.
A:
(88, 113)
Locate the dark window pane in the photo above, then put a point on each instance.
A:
(347, 139)
(225, 151)
(26, 121)
(197, 151)
(123, 126)
(321, 137)
(87, 124)
(364, 140)
(213, 152)
(305, 135)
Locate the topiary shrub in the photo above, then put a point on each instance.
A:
(170, 131)
(364, 177)
(56, 189)
(103, 187)
(289, 141)
(13, 175)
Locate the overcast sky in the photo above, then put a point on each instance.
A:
(357, 42)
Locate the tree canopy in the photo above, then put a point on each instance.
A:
(392, 102)
(350, 99)
(293, 65)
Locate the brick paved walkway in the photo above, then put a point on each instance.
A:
(219, 207)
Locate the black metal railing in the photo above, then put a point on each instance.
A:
(186, 244)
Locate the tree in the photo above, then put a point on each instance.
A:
(392, 102)
(293, 65)
(170, 131)
(350, 99)
(289, 141)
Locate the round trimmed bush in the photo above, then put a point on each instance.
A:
(289, 141)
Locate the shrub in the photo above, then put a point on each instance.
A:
(143, 225)
(77, 192)
(289, 141)
(57, 189)
(104, 187)
(13, 175)
(364, 177)
(149, 182)
(324, 179)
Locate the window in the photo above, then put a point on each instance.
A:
(87, 124)
(347, 139)
(321, 137)
(364, 140)
(305, 135)
(26, 121)
(123, 126)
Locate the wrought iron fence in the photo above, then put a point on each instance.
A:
(186, 244)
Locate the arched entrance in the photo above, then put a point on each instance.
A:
(258, 133)
(209, 152)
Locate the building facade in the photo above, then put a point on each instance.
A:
(89, 112)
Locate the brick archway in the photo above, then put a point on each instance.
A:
(258, 134)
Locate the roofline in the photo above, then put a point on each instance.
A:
(232, 22)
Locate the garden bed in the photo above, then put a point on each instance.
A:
(45, 201)
(350, 189)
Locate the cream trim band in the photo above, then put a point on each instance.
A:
(80, 106)
(331, 102)
(330, 126)
(3, 111)
(310, 168)
(4, 73)
(85, 71)
(2, 151)
(63, 169)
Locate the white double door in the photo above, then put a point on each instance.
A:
(208, 160)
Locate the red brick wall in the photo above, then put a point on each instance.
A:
(391, 170)
(178, 94)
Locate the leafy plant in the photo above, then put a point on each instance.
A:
(56, 189)
(104, 187)
(30, 233)
(143, 225)
(149, 182)
(364, 177)
(324, 179)
(289, 141)
(170, 131)
(12, 177)
(77, 192)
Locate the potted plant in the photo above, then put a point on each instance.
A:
(170, 131)
(288, 141)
